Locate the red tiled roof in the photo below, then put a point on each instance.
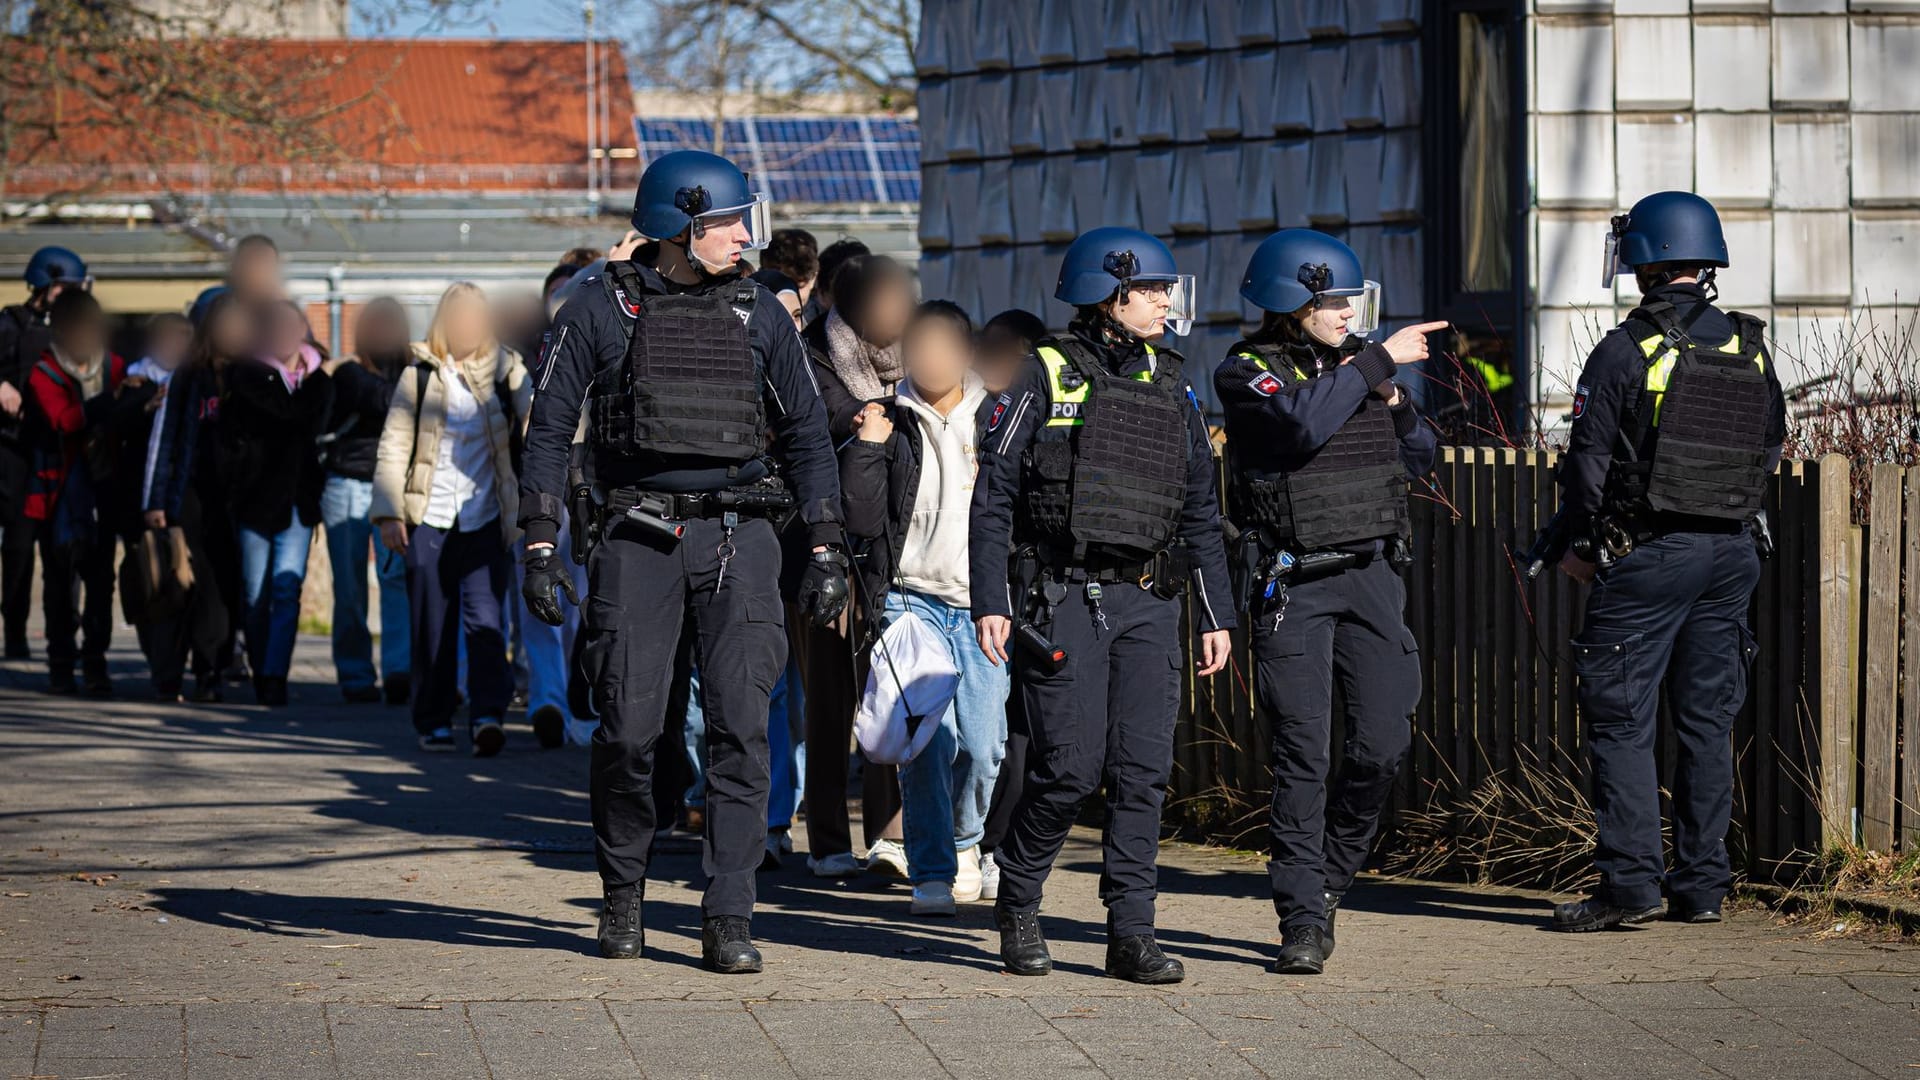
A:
(400, 115)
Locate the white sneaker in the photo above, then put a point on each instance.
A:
(834, 866)
(966, 880)
(887, 857)
(989, 877)
(933, 898)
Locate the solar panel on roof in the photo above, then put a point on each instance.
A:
(816, 159)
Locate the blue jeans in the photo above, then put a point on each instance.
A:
(546, 648)
(273, 568)
(786, 748)
(945, 791)
(344, 506)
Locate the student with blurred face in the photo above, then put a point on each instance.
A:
(446, 496)
(270, 417)
(254, 271)
(908, 486)
(70, 390)
(1006, 340)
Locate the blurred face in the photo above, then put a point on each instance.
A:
(791, 301)
(719, 239)
(283, 331)
(380, 331)
(167, 345)
(997, 358)
(255, 272)
(228, 331)
(1325, 319)
(937, 354)
(883, 320)
(83, 341)
(467, 327)
(1142, 308)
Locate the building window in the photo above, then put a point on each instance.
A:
(1484, 112)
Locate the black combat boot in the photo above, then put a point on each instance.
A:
(1303, 951)
(621, 936)
(1022, 948)
(1333, 908)
(1597, 914)
(1137, 958)
(726, 946)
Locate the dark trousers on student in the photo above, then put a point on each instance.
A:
(77, 594)
(457, 580)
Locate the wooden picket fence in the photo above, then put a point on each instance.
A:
(1834, 695)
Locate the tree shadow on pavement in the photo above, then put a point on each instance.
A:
(284, 915)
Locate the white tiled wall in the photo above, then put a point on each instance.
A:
(1800, 119)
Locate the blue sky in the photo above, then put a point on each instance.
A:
(484, 19)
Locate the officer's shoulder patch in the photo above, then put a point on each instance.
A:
(1580, 401)
(1265, 384)
(999, 412)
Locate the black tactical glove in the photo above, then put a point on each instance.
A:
(823, 586)
(545, 580)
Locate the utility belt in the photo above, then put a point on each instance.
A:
(1164, 573)
(1265, 568)
(1617, 531)
(1043, 578)
(664, 515)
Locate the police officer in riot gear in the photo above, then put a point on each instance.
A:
(1678, 421)
(1097, 483)
(24, 338)
(684, 366)
(1320, 443)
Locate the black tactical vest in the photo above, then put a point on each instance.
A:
(1703, 410)
(1118, 477)
(692, 384)
(1352, 489)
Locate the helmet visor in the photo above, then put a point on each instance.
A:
(1364, 302)
(1181, 299)
(756, 216)
(1611, 266)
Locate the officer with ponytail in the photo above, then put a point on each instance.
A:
(1678, 423)
(1320, 444)
(1096, 488)
(704, 428)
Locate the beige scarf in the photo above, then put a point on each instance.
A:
(870, 373)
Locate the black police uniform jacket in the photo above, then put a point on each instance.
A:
(1017, 421)
(588, 344)
(1277, 421)
(1611, 391)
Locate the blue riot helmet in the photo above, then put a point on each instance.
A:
(1296, 267)
(1666, 226)
(197, 311)
(1100, 262)
(686, 187)
(55, 266)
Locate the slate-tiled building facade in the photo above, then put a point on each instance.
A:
(1470, 150)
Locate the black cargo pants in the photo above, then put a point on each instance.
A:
(1673, 611)
(1106, 719)
(640, 591)
(1349, 627)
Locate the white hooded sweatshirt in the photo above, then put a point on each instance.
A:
(933, 559)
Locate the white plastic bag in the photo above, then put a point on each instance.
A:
(911, 668)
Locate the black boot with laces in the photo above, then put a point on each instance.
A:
(1022, 948)
(726, 946)
(621, 937)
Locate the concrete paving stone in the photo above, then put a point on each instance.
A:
(390, 1041)
(1634, 998)
(1171, 1059)
(1398, 1014)
(1484, 1057)
(993, 1037)
(140, 1040)
(19, 1035)
(690, 1040)
(1610, 1057)
(537, 1039)
(1260, 1018)
(1903, 988)
(825, 1038)
(1720, 1027)
(1546, 1010)
(1769, 1062)
(1129, 1018)
(246, 1040)
(1883, 1038)
(1774, 992)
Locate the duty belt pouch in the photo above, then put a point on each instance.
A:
(1049, 500)
(1170, 570)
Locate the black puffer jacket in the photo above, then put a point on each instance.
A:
(268, 457)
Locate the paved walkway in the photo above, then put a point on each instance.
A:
(231, 892)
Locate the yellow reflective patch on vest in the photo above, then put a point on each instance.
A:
(1262, 365)
(1068, 405)
(1660, 372)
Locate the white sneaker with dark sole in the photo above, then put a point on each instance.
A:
(989, 877)
(967, 881)
(842, 865)
(887, 858)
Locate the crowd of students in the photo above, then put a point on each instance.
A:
(191, 482)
